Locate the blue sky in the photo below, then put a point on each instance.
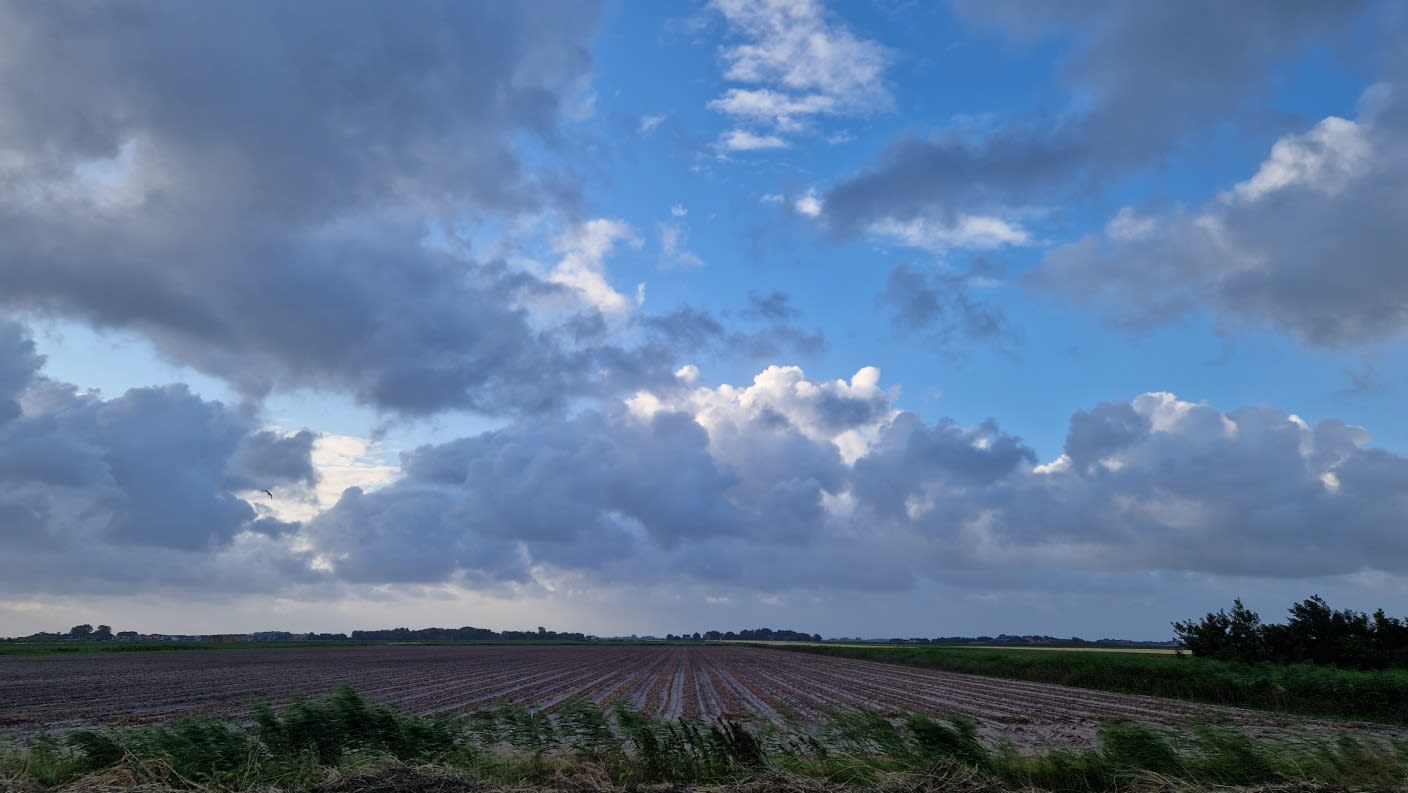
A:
(636, 317)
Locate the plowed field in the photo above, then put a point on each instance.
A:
(56, 692)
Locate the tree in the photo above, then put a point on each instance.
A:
(1390, 639)
(1314, 633)
(83, 631)
(1319, 634)
(103, 633)
(1238, 636)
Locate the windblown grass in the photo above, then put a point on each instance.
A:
(345, 743)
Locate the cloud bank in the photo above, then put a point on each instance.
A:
(783, 484)
(775, 485)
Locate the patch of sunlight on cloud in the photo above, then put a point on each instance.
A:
(342, 461)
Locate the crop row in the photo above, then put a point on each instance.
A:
(662, 681)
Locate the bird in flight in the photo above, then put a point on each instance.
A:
(267, 493)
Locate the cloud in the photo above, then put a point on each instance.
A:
(1310, 244)
(705, 337)
(963, 231)
(941, 305)
(841, 413)
(100, 493)
(19, 361)
(773, 306)
(804, 63)
(250, 189)
(1159, 483)
(1143, 78)
(648, 124)
(340, 462)
(743, 140)
(286, 457)
(770, 108)
(1127, 224)
(687, 327)
(584, 249)
(785, 483)
(808, 204)
(816, 63)
(582, 492)
(673, 254)
(669, 482)
(1327, 158)
(772, 485)
(778, 341)
(934, 477)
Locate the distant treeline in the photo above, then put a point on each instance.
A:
(751, 635)
(87, 633)
(465, 634)
(1314, 633)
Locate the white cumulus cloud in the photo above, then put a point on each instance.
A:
(584, 250)
(744, 140)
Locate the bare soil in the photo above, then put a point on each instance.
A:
(59, 692)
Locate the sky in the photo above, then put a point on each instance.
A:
(871, 318)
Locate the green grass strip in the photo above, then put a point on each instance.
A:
(321, 745)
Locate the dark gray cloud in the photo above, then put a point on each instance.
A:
(688, 326)
(1311, 244)
(411, 533)
(777, 342)
(628, 495)
(702, 335)
(1144, 78)
(18, 363)
(96, 491)
(1106, 430)
(581, 491)
(913, 463)
(778, 338)
(266, 112)
(1251, 492)
(248, 187)
(941, 306)
(775, 306)
(288, 457)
